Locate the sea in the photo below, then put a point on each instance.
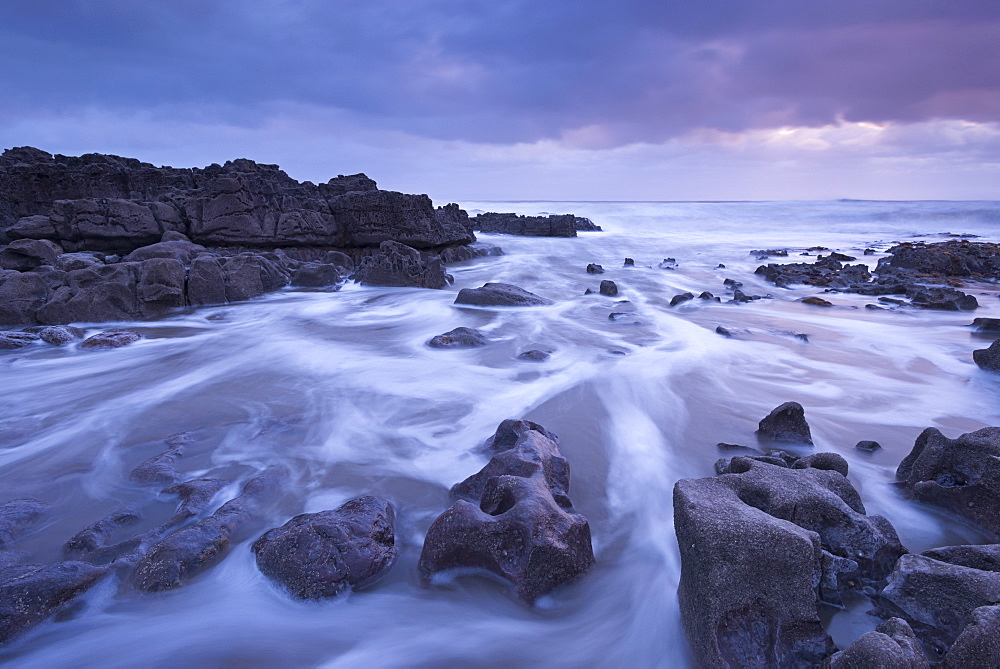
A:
(340, 393)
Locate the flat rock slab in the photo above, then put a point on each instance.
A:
(499, 295)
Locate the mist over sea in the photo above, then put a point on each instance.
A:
(338, 391)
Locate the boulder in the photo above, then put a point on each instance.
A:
(868, 446)
(988, 358)
(315, 275)
(398, 265)
(459, 338)
(31, 593)
(683, 297)
(27, 254)
(609, 288)
(817, 301)
(986, 324)
(13, 339)
(594, 268)
(892, 644)
(319, 555)
(206, 282)
(514, 518)
(979, 643)
(787, 423)
(535, 355)
(499, 295)
(248, 275)
(942, 298)
(68, 262)
(962, 475)
(111, 339)
(57, 335)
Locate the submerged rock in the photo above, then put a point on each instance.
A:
(514, 518)
(786, 423)
(499, 295)
(12, 339)
(31, 593)
(16, 515)
(111, 339)
(459, 338)
(609, 288)
(535, 355)
(594, 268)
(319, 555)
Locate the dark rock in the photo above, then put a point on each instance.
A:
(892, 645)
(111, 339)
(868, 446)
(817, 301)
(840, 257)
(593, 268)
(68, 262)
(531, 226)
(315, 275)
(455, 254)
(943, 298)
(399, 265)
(629, 263)
(499, 295)
(961, 474)
(459, 338)
(986, 324)
(27, 254)
(31, 593)
(535, 355)
(12, 339)
(720, 266)
(319, 555)
(22, 294)
(725, 332)
(874, 307)
(979, 643)
(586, 225)
(769, 252)
(732, 283)
(668, 263)
(514, 518)
(91, 544)
(755, 543)
(803, 336)
(786, 423)
(946, 259)
(16, 515)
(870, 252)
(179, 250)
(683, 297)
(988, 358)
(609, 288)
(206, 281)
(615, 315)
(188, 552)
(829, 461)
(57, 335)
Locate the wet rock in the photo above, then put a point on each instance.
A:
(629, 263)
(979, 643)
(829, 461)
(16, 515)
(986, 324)
(868, 446)
(514, 518)
(22, 294)
(499, 295)
(315, 275)
(764, 253)
(319, 555)
(988, 358)
(564, 225)
(616, 315)
(12, 339)
(755, 543)
(732, 284)
(27, 254)
(92, 544)
(111, 339)
(459, 338)
(892, 644)
(840, 257)
(586, 225)
(161, 469)
(668, 263)
(594, 268)
(947, 259)
(31, 593)
(57, 335)
(817, 301)
(725, 332)
(786, 422)
(188, 552)
(961, 474)
(535, 355)
(942, 298)
(249, 275)
(398, 265)
(683, 297)
(609, 288)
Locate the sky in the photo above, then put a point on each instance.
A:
(525, 99)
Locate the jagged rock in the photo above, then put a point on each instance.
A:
(535, 355)
(16, 515)
(629, 263)
(594, 268)
(399, 265)
(459, 338)
(188, 552)
(725, 332)
(162, 467)
(950, 258)
(499, 295)
(514, 518)
(786, 422)
(319, 555)
(585, 224)
(961, 474)
(531, 226)
(57, 335)
(250, 275)
(12, 339)
(892, 645)
(31, 593)
(759, 544)
(27, 254)
(817, 301)
(609, 288)
(111, 339)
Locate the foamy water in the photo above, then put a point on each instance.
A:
(340, 393)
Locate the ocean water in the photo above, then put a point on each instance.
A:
(339, 392)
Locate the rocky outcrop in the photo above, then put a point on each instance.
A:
(962, 475)
(760, 545)
(564, 225)
(398, 265)
(514, 517)
(320, 555)
(499, 295)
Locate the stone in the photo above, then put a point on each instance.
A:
(68, 262)
(535, 355)
(31, 593)
(979, 643)
(683, 297)
(988, 358)
(16, 515)
(180, 250)
(27, 254)
(868, 446)
(499, 295)
(892, 644)
(609, 288)
(315, 275)
(398, 265)
(787, 423)
(249, 275)
(586, 225)
(13, 339)
(629, 263)
(725, 332)
(111, 339)
(594, 268)
(564, 225)
(962, 475)
(320, 555)
(161, 469)
(942, 298)
(986, 324)
(22, 294)
(57, 335)
(817, 301)
(513, 518)
(206, 281)
(461, 337)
